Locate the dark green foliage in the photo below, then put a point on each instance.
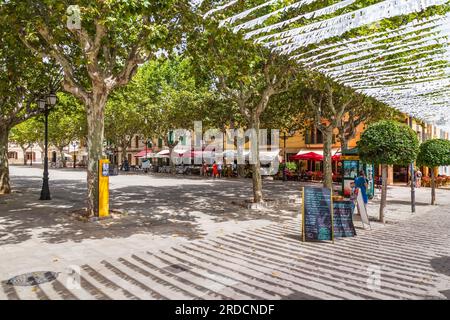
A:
(434, 153)
(388, 142)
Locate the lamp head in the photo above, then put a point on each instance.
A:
(51, 99)
(41, 103)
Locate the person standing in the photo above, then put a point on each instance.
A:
(418, 178)
(361, 183)
(234, 169)
(204, 169)
(215, 172)
(219, 169)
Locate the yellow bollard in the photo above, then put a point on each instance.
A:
(103, 188)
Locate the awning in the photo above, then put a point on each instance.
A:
(142, 154)
(163, 154)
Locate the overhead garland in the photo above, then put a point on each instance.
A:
(396, 51)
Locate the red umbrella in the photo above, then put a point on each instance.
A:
(308, 156)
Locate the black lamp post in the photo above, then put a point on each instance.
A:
(413, 187)
(43, 105)
(74, 144)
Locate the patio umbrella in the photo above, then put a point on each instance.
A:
(308, 156)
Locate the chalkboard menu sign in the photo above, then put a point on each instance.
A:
(343, 219)
(317, 219)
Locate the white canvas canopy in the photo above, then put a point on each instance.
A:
(406, 67)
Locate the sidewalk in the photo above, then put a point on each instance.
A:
(191, 243)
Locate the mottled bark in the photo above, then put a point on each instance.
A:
(384, 175)
(5, 187)
(24, 151)
(63, 156)
(433, 187)
(256, 167)
(124, 154)
(173, 169)
(96, 125)
(327, 161)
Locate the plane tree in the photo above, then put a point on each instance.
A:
(247, 75)
(99, 45)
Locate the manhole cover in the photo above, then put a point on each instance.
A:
(176, 268)
(33, 278)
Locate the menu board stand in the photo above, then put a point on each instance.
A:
(319, 198)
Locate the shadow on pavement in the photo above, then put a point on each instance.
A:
(158, 210)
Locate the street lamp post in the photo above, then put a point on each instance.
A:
(74, 144)
(413, 187)
(43, 105)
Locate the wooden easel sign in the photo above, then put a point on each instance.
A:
(362, 211)
(317, 214)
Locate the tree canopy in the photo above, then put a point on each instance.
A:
(388, 142)
(434, 153)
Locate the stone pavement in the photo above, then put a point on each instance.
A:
(190, 243)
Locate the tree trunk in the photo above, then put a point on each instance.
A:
(327, 161)
(63, 157)
(256, 168)
(241, 170)
(96, 125)
(5, 187)
(171, 162)
(124, 153)
(433, 187)
(25, 160)
(343, 139)
(384, 173)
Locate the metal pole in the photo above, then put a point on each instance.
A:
(413, 187)
(45, 192)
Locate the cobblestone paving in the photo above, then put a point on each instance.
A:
(227, 254)
(270, 262)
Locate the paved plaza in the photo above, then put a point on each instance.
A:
(188, 238)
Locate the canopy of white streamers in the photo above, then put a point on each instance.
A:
(406, 66)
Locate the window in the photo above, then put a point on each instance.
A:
(313, 136)
(31, 156)
(137, 142)
(12, 155)
(160, 143)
